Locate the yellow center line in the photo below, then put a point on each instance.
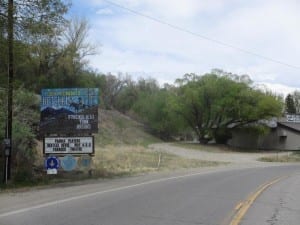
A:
(242, 208)
(238, 206)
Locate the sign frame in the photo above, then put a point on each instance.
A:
(65, 140)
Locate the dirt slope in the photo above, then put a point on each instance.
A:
(116, 128)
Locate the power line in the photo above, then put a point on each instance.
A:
(202, 36)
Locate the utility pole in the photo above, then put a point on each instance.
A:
(8, 133)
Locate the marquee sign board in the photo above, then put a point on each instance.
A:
(69, 111)
(69, 145)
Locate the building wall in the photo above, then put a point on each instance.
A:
(242, 139)
(279, 138)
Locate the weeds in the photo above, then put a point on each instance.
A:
(288, 157)
(137, 159)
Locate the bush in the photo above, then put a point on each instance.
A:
(23, 175)
(25, 122)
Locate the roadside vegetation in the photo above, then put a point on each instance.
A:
(204, 147)
(50, 51)
(121, 150)
(287, 157)
(116, 161)
(217, 148)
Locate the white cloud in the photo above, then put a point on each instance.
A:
(104, 11)
(167, 8)
(278, 88)
(138, 45)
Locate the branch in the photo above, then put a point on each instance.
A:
(241, 123)
(3, 15)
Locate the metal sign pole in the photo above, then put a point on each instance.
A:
(6, 170)
(7, 153)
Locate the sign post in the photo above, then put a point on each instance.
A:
(7, 152)
(68, 118)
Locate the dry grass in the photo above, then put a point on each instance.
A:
(288, 157)
(217, 148)
(202, 147)
(121, 149)
(115, 161)
(118, 129)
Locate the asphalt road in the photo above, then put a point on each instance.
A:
(206, 197)
(280, 205)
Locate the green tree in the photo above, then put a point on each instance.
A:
(148, 102)
(296, 98)
(127, 97)
(36, 27)
(113, 86)
(212, 105)
(290, 104)
(153, 109)
(21, 21)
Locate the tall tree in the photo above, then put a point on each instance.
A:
(290, 104)
(153, 110)
(296, 97)
(113, 86)
(76, 42)
(21, 19)
(37, 27)
(74, 50)
(212, 105)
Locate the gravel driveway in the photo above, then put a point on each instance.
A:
(231, 157)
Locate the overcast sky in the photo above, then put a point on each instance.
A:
(173, 37)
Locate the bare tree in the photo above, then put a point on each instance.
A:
(76, 44)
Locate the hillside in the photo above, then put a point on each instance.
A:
(116, 128)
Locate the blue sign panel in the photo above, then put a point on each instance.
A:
(85, 161)
(52, 163)
(69, 110)
(68, 163)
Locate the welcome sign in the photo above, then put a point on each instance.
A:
(69, 111)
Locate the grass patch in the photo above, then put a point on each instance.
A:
(202, 147)
(118, 129)
(115, 161)
(288, 157)
(216, 148)
(41, 179)
(136, 159)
